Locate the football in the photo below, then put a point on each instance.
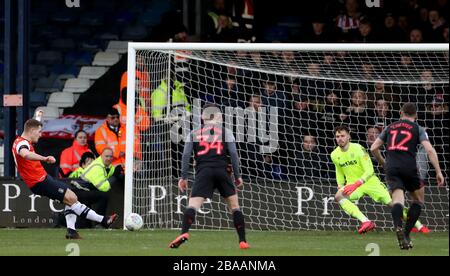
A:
(134, 222)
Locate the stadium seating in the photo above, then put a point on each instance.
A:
(77, 85)
(48, 85)
(78, 33)
(110, 35)
(50, 112)
(105, 59)
(49, 57)
(92, 72)
(120, 47)
(61, 100)
(37, 71)
(92, 19)
(63, 17)
(71, 48)
(69, 72)
(37, 98)
(135, 33)
(63, 44)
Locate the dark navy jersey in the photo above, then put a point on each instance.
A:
(402, 139)
(209, 147)
(213, 147)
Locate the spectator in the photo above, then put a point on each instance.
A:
(310, 162)
(219, 26)
(391, 32)
(112, 134)
(160, 98)
(358, 115)
(229, 94)
(255, 102)
(371, 135)
(319, 32)
(403, 24)
(368, 71)
(314, 88)
(288, 59)
(437, 26)
(436, 122)
(415, 36)
(70, 157)
(86, 191)
(445, 34)
(254, 163)
(328, 64)
(102, 174)
(365, 32)
(426, 93)
(329, 119)
(384, 92)
(86, 159)
(383, 116)
(256, 58)
(423, 22)
(348, 22)
(141, 118)
(303, 116)
(271, 97)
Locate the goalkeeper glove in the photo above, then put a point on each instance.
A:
(349, 189)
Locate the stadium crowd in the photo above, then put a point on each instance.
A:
(308, 108)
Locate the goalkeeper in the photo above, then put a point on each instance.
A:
(356, 178)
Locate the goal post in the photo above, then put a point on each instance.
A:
(282, 102)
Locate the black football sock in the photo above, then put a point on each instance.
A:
(413, 216)
(188, 219)
(397, 213)
(239, 224)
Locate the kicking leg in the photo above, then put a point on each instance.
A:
(71, 219)
(71, 200)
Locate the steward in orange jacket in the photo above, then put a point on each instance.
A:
(141, 118)
(112, 134)
(70, 157)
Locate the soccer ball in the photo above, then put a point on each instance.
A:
(134, 222)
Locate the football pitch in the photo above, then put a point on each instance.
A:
(215, 243)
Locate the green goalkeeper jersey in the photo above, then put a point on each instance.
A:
(353, 165)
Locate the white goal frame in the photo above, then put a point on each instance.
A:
(333, 47)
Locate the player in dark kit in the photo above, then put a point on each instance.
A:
(402, 139)
(29, 166)
(211, 157)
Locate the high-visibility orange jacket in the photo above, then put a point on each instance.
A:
(141, 118)
(105, 137)
(70, 157)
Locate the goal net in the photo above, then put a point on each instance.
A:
(282, 103)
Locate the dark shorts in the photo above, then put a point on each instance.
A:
(406, 179)
(209, 179)
(51, 188)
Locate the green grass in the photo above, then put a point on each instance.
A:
(206, 243)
